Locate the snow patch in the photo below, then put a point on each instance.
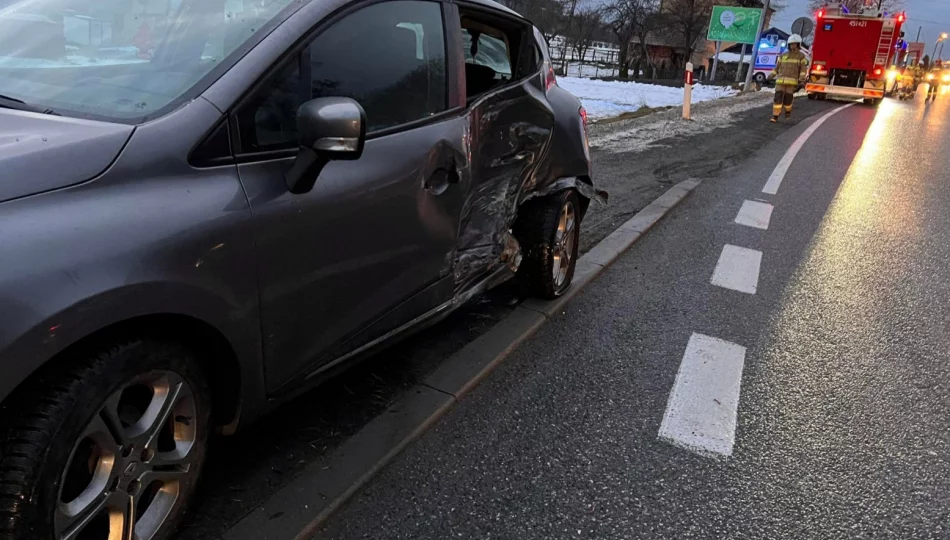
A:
(604, 99)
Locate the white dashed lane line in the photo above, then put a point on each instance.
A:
(701, 411)
(755, 214)
(738, 269)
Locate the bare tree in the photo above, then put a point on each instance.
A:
(687, 19)
(625, 17)
(571, 9)
(587, 23)
(854, 6)
(547, 15)
(650, 21)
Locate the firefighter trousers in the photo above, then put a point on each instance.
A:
(784, 94)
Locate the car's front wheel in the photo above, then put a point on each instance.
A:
(548, 230)
(107, 448)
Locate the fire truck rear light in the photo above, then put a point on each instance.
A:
(821, 13)
(878, 71)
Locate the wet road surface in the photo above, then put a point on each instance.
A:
(243, 471)
(795, 364)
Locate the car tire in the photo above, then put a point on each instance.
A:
(105, 441)
(548, 230)
(760, 78)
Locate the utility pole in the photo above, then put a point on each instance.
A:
(755, 45)
(918, 34)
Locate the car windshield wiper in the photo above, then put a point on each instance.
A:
(20, 105)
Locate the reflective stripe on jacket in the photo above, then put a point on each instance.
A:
(791, 68)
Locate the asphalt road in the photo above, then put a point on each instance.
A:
(814, 405)
(243, 471)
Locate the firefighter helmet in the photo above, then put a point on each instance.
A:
(795, 38)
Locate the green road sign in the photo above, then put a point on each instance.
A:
(734, 24)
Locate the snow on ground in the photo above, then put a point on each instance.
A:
(604, 99)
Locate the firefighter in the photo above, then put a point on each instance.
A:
(934, 78)
(790, 72)
(909, 80)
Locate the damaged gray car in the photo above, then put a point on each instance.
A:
(208, 205)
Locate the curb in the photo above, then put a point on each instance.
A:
(300, 508)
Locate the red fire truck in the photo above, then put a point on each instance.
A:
(851, 53)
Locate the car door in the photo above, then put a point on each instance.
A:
(372, 245)
(511, 124)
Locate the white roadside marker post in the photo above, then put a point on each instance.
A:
(688, 90)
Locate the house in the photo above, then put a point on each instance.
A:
(667, 52)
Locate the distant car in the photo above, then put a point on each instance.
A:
(192, 235)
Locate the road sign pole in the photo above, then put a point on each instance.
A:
(712, 76)
(755, 45)
(741, 62)
(688, 90)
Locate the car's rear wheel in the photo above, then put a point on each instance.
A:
(548, 230)
(107, 449)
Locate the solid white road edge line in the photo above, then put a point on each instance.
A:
(771, 187)
(738, 269)
(701, 413)
(755, 214)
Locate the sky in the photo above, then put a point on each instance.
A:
(932, 15)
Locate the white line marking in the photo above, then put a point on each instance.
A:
(771, 187)
(738, 269)
(702, 408)
(755, 214)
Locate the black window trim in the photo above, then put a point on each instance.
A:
(299, 52)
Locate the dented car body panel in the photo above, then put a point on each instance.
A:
(171, 217)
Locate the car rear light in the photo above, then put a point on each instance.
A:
(583, 112)
(549, 78)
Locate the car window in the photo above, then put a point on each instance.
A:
(398, 75)
(490, 52)
(120, 59)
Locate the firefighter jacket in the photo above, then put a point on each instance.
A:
(791, 69)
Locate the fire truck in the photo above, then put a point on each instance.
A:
(852, 52)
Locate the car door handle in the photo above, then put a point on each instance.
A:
(439, 182)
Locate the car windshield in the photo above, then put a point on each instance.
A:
(120, 59)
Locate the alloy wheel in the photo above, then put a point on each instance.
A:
(564, 241)
(124, 475)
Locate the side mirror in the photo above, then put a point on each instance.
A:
(329, 129)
